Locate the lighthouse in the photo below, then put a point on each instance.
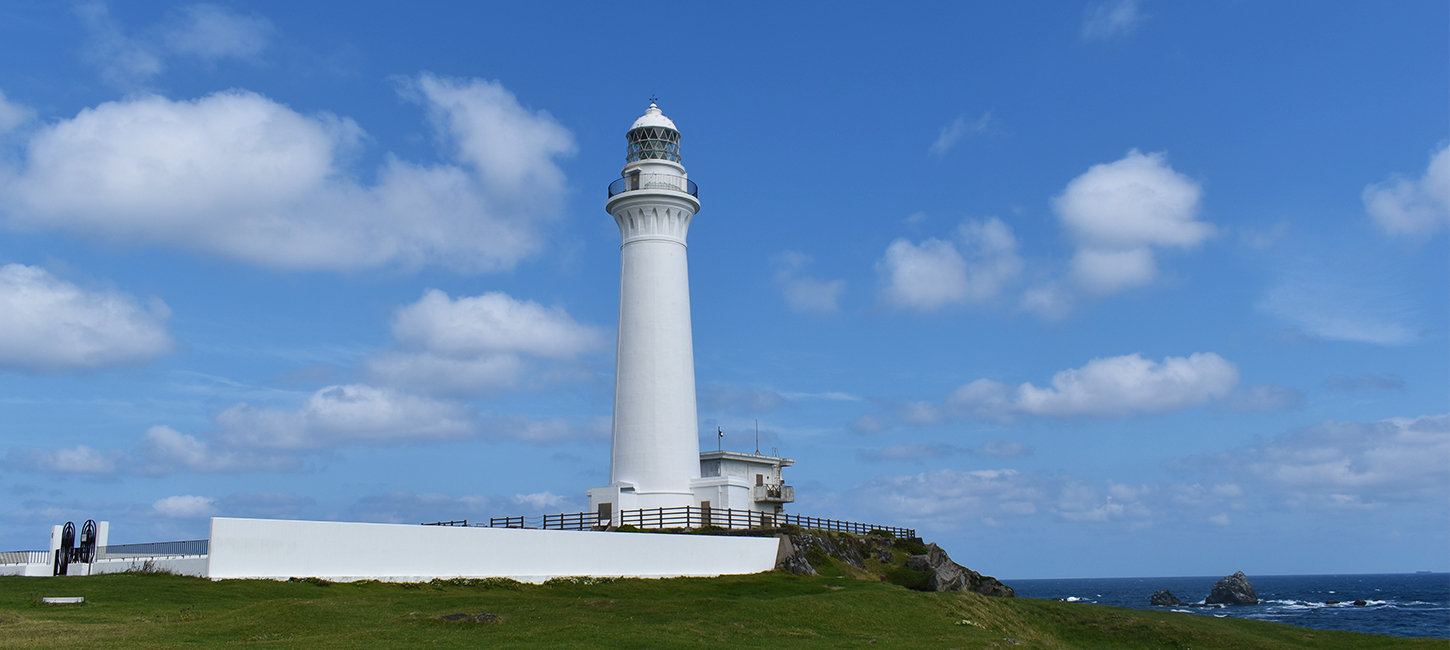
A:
(655, 460)
(655, 452)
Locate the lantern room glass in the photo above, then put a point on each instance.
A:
(653, 143)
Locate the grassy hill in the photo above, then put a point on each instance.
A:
(770, 610)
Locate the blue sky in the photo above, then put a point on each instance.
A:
(1083, 289)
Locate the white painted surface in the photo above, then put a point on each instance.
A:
(63, 600)
(342, 551)
(656, 444)
(187, 565)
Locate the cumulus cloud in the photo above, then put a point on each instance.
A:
(238, 175)
(1344, 464)
(1403, 206)
(959, 128)
(975, 268)
(950, 499)
(806, 294)
(869, 424)
(478, 344)
(540, 500)
(49, 325)
(1117, 213)
(185, 507)
(1110, 19)
(1105, 387)
(212, 32)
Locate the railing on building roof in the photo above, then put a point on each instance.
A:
(691, 517)
(24, 557)
(654, 182)
(154, 549)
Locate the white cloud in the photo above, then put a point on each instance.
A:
(338, 415)
(715, 397)
(1345, 464)
(477, 344)
(1265, 397)
(77, 460)
(49, 325)
(1003, 449)
(1117, 213)
(1110, 18)
(806, 294)
(937, 273)
(1220, 519)
(187, 506)
(952, 133)
(949, 499)
(407, 507)
(213, 32)
(919, 413)
(238, 175)
(164, 450)
(539, 500)
(908, 451)
(1402, 206)
(12, 115)
(1106, 387)
(1337, 305)
(869, 424)
(123, 60)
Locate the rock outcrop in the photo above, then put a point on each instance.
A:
(1232, 590)
(945, 575)
(1164, 598)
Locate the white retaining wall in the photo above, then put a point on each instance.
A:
(343, 551)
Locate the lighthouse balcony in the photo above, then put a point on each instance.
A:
(669, 182)
(773, 493)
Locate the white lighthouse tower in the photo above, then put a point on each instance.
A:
(656, 448)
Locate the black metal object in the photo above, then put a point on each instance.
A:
(66, 551)
(87, 551)
(456, 522)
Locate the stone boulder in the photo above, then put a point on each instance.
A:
(1232, 590)
(1164, 598)
(945, 575)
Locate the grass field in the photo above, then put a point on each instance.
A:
(771, 610)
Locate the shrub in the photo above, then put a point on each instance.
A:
(912, 547)
(909, 578)
(627, 528)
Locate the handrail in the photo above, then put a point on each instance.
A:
(25, 557)
(691, 517)
(654, 182)
(189, 547)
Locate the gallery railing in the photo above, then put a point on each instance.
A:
(692, 517)
(654, 182)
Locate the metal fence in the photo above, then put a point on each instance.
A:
(25, 557)
(154, 549)
(692, 517)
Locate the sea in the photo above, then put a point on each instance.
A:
(1397, 604)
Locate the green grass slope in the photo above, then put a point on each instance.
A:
(770, 610)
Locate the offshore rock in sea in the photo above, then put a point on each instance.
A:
(1232, 590)
(945, 575)
(1164, 598)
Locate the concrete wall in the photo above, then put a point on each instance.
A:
(342, 551)
(191, 565)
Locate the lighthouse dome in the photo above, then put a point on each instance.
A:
(653, 117)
